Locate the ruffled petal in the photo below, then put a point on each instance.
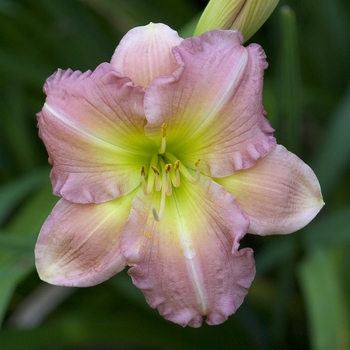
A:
(92, 126)
(279, 195)
(79, 244)
(188, 264)
(212, 105)
(144, 53)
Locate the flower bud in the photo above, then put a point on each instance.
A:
(244, 15)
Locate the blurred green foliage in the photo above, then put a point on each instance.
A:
(300, 297)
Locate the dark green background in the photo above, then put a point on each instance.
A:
(300, 296)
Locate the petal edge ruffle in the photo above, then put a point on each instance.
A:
(92, 127)
(188, 265)
(212, 105)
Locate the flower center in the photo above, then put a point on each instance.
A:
(164, 172)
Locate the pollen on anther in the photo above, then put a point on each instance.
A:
(143, 180)
(167, 168)
(155, 170)
(157, 183)
(176, 178)
(143, 171)
(196, 163)
(169, 189)
(163, 144)
(163, 130)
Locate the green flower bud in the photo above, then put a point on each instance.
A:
(244, 15)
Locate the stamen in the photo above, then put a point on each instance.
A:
(198, 173)
(159, 215)
(169, 189)
(167, 168)
(187, 174)
(143, 180)
(175, 176)
(163, 130)
(155, 170)
(156, 181)
(151, 174)
(163, 145)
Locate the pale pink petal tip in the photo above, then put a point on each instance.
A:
(188, 264)
(280, 194)
(144, 53)
(78, 244)
(225, 298)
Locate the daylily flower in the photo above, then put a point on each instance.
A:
(246, 16)
(164, 161)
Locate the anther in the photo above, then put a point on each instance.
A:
(169, 189)
(163, 186)
(163, 130)
(151, 174)
(188, 175)
(167, 168)
(158, 185)
(175, 178)
(155, 170)
(143, 180)
(196, 163)
(163, 145)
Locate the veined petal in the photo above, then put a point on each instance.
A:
(144, 53)
(188, 264)
(212, 105)
(92, 126)
(280, 194)
(79, 244)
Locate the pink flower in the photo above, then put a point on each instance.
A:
(164, 161)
